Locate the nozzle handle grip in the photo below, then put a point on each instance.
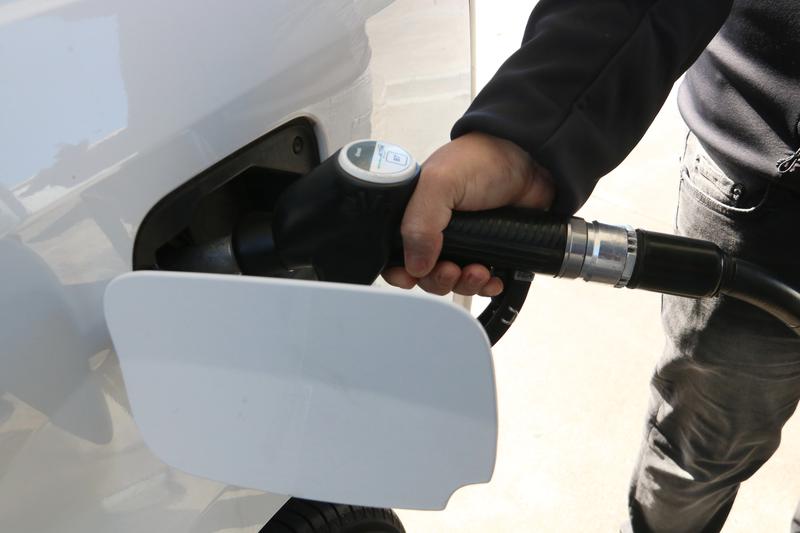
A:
(507, 238)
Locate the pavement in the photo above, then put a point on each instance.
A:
(572, 374)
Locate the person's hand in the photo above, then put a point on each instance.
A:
(474, 172)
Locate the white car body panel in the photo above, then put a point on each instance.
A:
(295, 386)
(106, 107)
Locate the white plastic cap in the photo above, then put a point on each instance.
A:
(377, 162)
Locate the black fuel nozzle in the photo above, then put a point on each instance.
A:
(341, 222)
(341, 219)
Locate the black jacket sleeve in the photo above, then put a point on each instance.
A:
(588, 80)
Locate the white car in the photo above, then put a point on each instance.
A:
(129, 128)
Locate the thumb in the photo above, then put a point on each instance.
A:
(426, 215)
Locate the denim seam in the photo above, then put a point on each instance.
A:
(719, 207)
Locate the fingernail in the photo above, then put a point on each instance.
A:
(416, 264)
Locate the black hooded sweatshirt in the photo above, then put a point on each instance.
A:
(591, 76)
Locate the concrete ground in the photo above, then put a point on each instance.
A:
(572, 374)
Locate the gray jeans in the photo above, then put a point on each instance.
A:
(730, 375)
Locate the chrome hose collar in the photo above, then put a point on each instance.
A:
(599, 252)
(575, 252)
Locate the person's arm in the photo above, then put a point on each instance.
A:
(587, 82)
(574, 100)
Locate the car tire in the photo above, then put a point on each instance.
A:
(306, 516)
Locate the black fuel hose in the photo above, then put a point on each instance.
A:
(672, 264)
(754, 285)
(525, 241)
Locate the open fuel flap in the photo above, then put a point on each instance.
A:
(327, 391)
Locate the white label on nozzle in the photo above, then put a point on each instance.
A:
(389, 159)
